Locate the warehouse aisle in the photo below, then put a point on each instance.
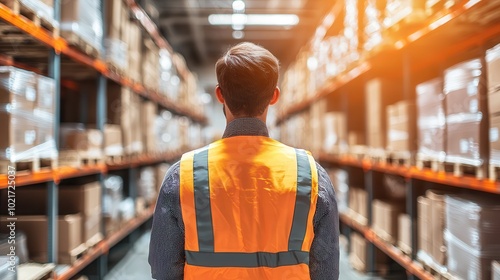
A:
(135, 264)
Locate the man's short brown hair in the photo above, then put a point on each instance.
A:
(247, 76)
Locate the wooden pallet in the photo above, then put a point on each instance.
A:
(115, 159)
(435, 163)
(460, 169)
(435, 269)
(377, 155)
(79, 159)
(94, 240)
(382, 234)
(115, 69)
(399, 158)
(405, 248)
(494, 171)
(35, 271)
(34, 164)
(78, 42)
(358, 152)
(74, 255)
(19, 8)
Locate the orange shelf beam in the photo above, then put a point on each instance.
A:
(24, 178)
(466, 182)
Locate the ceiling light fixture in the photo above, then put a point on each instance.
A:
(254, 19)
(238, 6)
(238, 34)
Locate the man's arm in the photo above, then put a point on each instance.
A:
(166, 247)
(324, 254)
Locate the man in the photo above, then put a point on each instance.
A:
(246, 206)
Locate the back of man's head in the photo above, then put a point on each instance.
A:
(247, 76)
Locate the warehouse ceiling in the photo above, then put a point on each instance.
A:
(186, 25)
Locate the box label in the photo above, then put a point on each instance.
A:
(464, 146)
(29, 137)
(473, 106)
(30, 93)
(494, 134)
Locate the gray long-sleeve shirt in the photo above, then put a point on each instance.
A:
(166, 248)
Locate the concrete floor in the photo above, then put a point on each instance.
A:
(135, 264)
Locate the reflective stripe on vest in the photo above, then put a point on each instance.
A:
(201, 248)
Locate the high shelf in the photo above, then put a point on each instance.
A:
(411, 52)
(41, 49)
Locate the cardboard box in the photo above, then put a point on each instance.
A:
(464, 141)
(404, 232)
(20, 135)
(431, 121)
(84, 199)
(114, 18)
(148, 117)
(437, 225)
(493, 70)
(401, 127)
(18, 88)
(88, 142)
(424, 238)
(385, 219)
(358, 201)
(113, 140)
(46, 94)
(35, 228)
(494, 139)
(378, 94)
(358, 254)
(494, 102)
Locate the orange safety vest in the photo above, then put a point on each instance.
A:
(248, 204)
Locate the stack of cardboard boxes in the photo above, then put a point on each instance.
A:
(27, 113)
(385, 219)
(466, 139)
(378, 94)
(431, 224)
(493, 80)
(79, 223)
(401, 128)
(471, 234)
(358, 204)
(335, 132)
(116, 47)
(431, 121)
(81, 20)
(358, 256)
(150, 64)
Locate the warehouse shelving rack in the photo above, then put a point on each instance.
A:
(48, 42)
(402, 59)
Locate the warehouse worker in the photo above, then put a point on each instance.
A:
(246, 206)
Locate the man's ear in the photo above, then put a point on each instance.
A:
(276, 96)
(218, 94)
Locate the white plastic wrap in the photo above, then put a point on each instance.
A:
(28, 120)
(474, 221)
(113, 195)
(468, 262)
(493, 69)
(147, 184)
(340, 183)
(116, 53)
(43, 9)
(83, 18)
(127, 209)
(431, 120)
